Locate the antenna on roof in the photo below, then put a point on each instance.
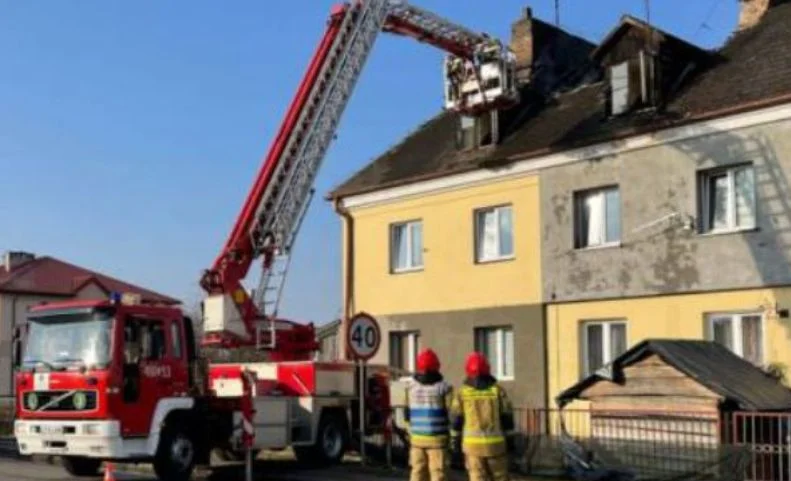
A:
(648, 12)
(557, 13)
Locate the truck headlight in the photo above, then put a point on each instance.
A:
(32, 401)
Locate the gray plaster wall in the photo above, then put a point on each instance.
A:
(669, 257)
(451, 335)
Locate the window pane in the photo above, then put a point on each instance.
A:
(593, 217)
(396, 351)
(613, 217)
(417, 244)
(175, 334)
(506, 232)
(595, 347)
(491, 349)
(399, 247)
(487, 235)
(722, 331)
(752, 339)
(508, 353)
(718, 198)
(620, 87)
(617, 340)
(745, 196)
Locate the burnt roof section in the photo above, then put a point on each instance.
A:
(750, 71)
(741, 384)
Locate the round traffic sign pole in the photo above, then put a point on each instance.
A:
(364, 337)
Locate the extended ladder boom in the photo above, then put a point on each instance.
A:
(276, 205)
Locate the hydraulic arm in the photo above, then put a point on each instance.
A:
(479, 73)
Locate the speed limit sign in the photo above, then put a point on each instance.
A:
(364, 336)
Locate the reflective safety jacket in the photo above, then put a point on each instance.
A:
(428, 411)
(482, 413)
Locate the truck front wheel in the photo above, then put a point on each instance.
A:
(81, 467)
(175, 457)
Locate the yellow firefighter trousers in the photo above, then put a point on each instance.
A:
(428, 464)
(487, 468)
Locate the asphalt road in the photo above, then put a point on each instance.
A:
(13, 470)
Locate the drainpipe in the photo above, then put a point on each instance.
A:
(13, 345)
(348, 278)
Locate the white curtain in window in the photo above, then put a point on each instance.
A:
(416, 236)
(752, 340)
(744, 185)
(594, 213)
(719, 202)
(399, 247)
(617, 340)
(508, 353)
(506, 232)
(487, 235)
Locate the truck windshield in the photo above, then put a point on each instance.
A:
(60, 341)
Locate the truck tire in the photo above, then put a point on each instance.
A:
(79, 466)
(331, 442)
(175, 456)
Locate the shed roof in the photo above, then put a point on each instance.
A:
(714, 366)
(750, 71)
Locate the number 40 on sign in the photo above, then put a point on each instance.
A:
(364, 336)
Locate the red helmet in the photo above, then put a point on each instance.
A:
(477, 365)
(427, 361)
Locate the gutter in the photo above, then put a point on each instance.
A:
(348, 278)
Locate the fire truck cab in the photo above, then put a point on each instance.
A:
(112, 381)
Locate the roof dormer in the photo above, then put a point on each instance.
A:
(643, 65)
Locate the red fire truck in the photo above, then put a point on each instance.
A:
(121, 380)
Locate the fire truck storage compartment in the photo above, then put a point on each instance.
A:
(271, 422)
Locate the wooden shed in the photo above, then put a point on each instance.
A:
(668, 405)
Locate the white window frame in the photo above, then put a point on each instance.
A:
(412, 340)
(498, 363)
(619, 91)
(579, 201)
(408, 225)
(606, 351)
(736, 330)
(477, 218)
(707, 224)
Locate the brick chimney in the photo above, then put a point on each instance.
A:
(522, 45)
(752, 11)
(14, 259)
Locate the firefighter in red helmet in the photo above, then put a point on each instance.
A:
(428, 417)
(482, 413)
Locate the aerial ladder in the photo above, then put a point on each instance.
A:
(479, 76)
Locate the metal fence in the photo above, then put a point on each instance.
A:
(657, 445)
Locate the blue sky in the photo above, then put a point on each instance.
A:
(130, 131)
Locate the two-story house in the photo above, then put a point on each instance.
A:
(446, 255)
(646, 197)
(669, 215)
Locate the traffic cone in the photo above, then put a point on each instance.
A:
(109, 472)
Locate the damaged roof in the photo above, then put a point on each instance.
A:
(739, 382)
(750, 71)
